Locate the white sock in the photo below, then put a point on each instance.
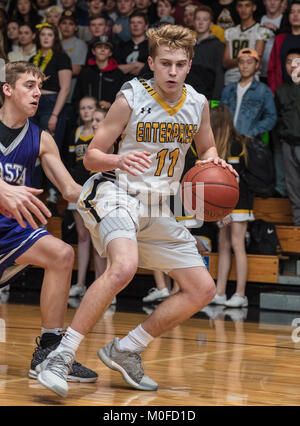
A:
(70, 341)
(136, 340)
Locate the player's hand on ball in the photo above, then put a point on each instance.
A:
(217, 161)
(135, 161)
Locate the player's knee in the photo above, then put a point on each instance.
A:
(206, 292)
(120, 274)
(66, 257)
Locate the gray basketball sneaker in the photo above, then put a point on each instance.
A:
(129, 364)
(54, 371)
(78, 372)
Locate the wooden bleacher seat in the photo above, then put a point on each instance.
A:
(274, 210)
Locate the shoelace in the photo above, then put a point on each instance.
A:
(59, 365)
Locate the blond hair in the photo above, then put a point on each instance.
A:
(172, 36)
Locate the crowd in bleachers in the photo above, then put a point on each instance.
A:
(88, 49)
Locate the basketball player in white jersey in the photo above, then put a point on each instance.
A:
(158, 119)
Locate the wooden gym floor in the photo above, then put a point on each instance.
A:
(221, 361)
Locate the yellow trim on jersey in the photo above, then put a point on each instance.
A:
(168, 108)
(123, 136)
(185, 217)
(242, 211)
(194, 151)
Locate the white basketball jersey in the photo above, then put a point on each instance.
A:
(240, 39)
(164, 130)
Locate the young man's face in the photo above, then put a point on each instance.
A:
(137, 26)
(102, 52)
(68, 28)
(273, 6)
(188, 16)
(247, 66)
(95, 7)
(125, 7)
(294, 16)
(98, 27)
(202, 22)
(163, 8)
(26, 36)
(292, 65)
(245, 9)
(26, 94)
(170, 68)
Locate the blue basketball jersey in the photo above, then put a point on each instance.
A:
(17, 163)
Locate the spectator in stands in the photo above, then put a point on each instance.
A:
(12, 35)
(56, 65)
(81, 140)
(132, 55)
(43, 5)
(120, 28)
(231, 147)
(81, 15)
(287, 100)
(26, 12)
(225, 13)
(250, 101)
(95, 7)
(180, 8)
(27, 44)
(98, 28)
(208, 53)
(103, 79)
(270, 20)
(147, 8)
(75, 48)
(53, 15)
(247, 34)
(290, 39)
(110, 8)
(164, 11)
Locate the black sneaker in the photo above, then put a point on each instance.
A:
(78, 372)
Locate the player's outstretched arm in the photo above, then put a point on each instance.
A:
(55, 169)
(97, 157)
(21, 202)
(205, 143)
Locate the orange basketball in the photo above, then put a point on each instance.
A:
(209, 191)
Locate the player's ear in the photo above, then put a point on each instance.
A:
(6, 89)
(150, 62)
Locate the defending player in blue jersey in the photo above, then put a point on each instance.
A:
(21, 143)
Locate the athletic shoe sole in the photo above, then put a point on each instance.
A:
(33, 375)
(54, 388)
(114, 366)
